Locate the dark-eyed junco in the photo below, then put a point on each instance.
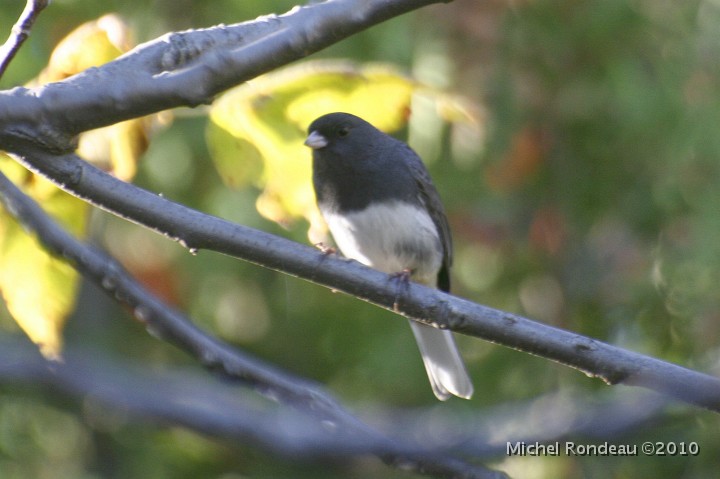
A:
(383, 211)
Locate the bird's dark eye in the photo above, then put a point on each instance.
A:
(343, 131)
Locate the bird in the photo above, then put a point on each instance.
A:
(382, 210)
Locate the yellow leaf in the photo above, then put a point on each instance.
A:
(39, 290)
(89, 45)
(116, 148)
(226, 149)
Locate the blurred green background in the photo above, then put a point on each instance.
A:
(593, 204)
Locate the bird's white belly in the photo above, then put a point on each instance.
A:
(390, 238)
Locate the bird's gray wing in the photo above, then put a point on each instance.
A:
(431, 199)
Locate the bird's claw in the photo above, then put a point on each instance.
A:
(325, 249)
(403, 279)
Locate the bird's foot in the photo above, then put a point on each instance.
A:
(403, 283)
(325, 249)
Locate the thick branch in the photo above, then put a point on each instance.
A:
(174, 327)
(197, 230)
(181, 69)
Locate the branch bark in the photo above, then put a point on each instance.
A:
(181, 69)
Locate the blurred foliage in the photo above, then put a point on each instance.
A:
(591, 203)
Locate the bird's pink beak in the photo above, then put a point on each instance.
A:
(315, 140)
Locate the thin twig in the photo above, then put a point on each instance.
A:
(20, 32)
(173, 326)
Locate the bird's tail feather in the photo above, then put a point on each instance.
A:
(443, 363)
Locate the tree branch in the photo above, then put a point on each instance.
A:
(200, 403)
(189, 68)
(197, 230)
(546, 419)
(185, 397)
(181, 69)
(156, 76)
(173, 326)
(20, 32)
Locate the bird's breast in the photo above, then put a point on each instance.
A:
(390, 237)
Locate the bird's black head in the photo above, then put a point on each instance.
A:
(336, 132)
(355, 164)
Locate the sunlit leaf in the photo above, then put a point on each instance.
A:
(89, 45)
(257, 129)
(116, 148)
(39, 289)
